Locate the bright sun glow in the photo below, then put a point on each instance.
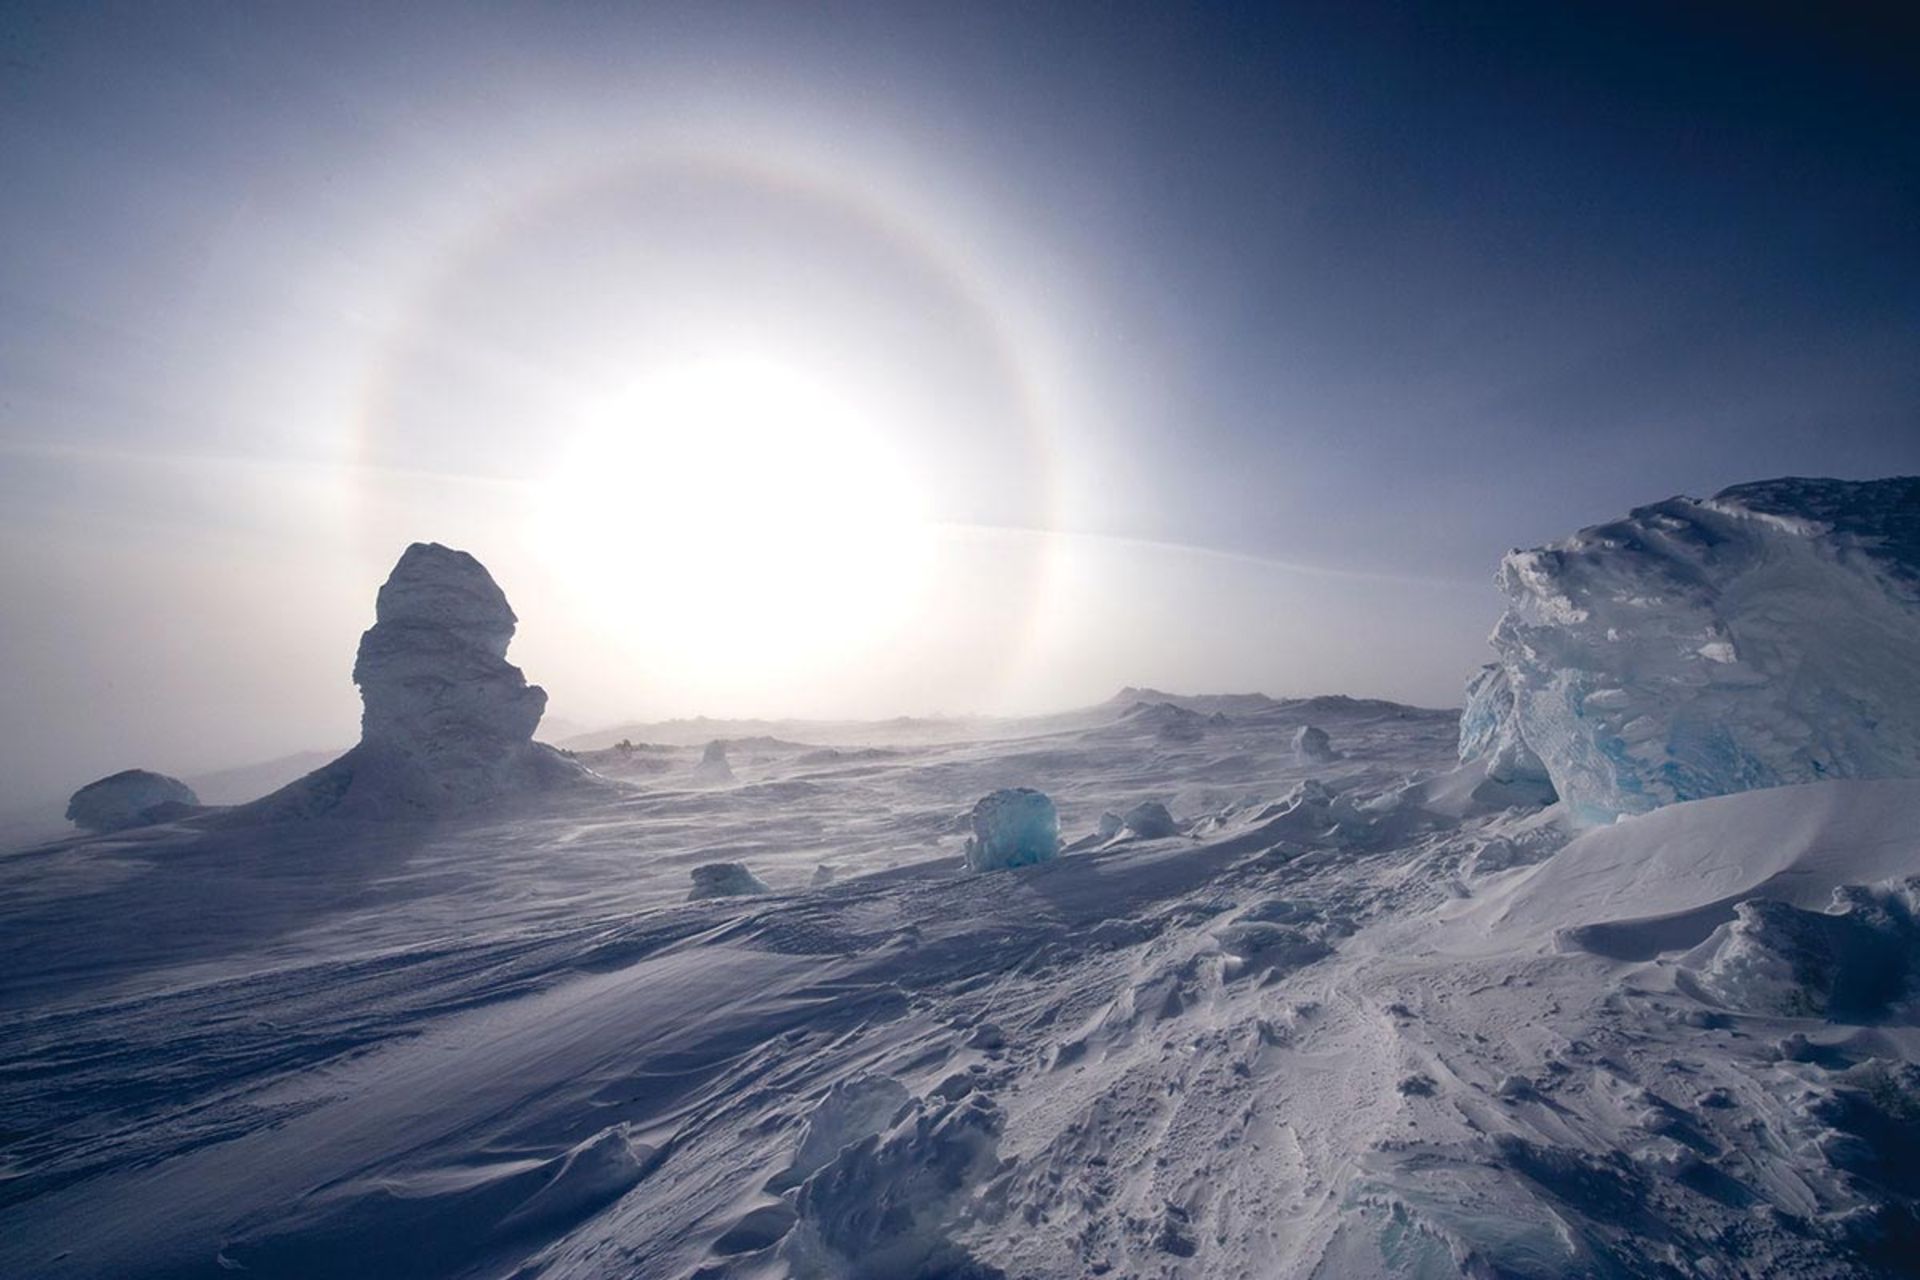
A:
(742, 512)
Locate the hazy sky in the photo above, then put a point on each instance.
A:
(835, 359)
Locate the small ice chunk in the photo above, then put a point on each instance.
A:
(713, 766)
(725, 880)
(1110, 825)
(1150, 821)
(1312, 746)
(130, 798)
(1015, 827)
(1513, 1088)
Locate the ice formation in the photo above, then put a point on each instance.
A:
(130, 798)
(1150, 820)
(1311, 745)
(1490, 731)
(447, 722)
(1765, 636)
(1013, 828)
(713, 768)
(1848, 963)
(725, 880)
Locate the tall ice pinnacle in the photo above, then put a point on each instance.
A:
(435, 684)
(446, 721)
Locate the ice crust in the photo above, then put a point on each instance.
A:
(1016, 827)
(1768, 635)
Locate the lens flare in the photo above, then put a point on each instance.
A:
(740, 510)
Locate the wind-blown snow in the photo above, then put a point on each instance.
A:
(1769, 635)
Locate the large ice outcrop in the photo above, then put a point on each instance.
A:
(130, 798)
(1016, 827)
(447, 722)
(1765, 636)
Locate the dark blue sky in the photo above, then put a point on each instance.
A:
(1368, 289)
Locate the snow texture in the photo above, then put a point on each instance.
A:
(130, 798)
(1766, 636)
(1362, 1022)
(1015, 827)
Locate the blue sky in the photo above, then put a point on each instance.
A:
(1221, 346)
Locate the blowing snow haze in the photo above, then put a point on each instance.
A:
(865, 360)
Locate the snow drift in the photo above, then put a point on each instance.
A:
(1766, 636)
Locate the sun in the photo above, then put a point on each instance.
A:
(739, 511)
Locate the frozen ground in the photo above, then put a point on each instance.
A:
(1349, 1020)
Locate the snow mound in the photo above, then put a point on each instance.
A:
(1762, 637)
(1016, 827)
(725, 880)
(1668, 880)
(447, 722)
(1311, 745)
(130, 798)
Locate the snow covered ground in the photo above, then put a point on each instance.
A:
(1349, 1019)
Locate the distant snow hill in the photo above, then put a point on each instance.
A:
(1354, 1008)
